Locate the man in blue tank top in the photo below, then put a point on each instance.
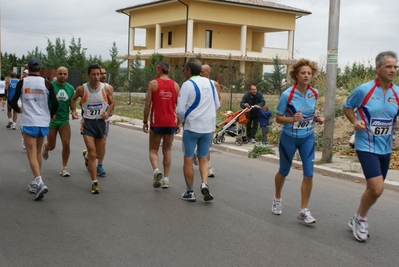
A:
(10, 91)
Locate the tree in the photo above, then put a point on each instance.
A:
(177, 74)
(150, 70)
(35, 53)
(255, 76)
(274, 81)
(57, 55)
(76, 56)
(113, 67)
(136, 75)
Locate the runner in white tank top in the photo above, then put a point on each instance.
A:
(96, 102)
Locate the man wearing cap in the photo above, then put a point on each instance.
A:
(161, 99)
(35, 93)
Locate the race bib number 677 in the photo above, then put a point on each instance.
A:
(381, 127)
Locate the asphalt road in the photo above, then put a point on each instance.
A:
(132, 224)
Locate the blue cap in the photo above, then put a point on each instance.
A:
(34, 63)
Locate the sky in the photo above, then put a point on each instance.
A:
(367, 27)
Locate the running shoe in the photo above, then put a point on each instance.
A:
(277, 207)
(32, 186)
(157, 178)
(195, 158)
(23, 144)
(95, 188)
(14, 126)
(188, 196)
(211, 173)
(64, 172)
(359, 228)
(9, 124)
(306, 216)
(41, 190)
(84, 153)
(45, 153)
(100, 171)
(252, 141)
(205, 191)
(165, 182)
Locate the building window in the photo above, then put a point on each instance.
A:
(161, 39)
(169, 38)
(208, 39)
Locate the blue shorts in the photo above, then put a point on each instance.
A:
(287, 148)
(163, 130)
(374, 165)
(199, 140)
(35, 131)
(94, 128)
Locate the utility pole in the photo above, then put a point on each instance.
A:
(331, 81)
(1, 53)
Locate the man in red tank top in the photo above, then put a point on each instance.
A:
(161, 100)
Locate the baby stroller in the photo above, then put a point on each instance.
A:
(234, 126)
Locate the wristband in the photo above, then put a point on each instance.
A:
(145, 122)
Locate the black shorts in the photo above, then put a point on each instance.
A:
(94, 128)
(164, 130)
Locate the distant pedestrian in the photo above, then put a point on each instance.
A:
(377, 104)
(10, 91)
(160, 109)
(35, 93)
(3, 92)
(264, 118)
(196, 108)
(253, 98)
(296, 110)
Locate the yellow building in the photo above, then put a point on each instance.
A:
(213, 29)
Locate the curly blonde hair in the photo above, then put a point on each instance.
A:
(300, 63)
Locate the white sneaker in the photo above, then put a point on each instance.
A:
(211, 173)
(32, 186)
(306, 216)
(165, 182)
(23, 144)
(14, 126)
(277, 207)
(44, 153)
(157, 178)
(359, 228)
(196, 159)
(64, 172)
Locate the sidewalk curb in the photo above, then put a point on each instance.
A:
(320, 169)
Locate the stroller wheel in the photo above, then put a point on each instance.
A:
(238, 141)
(222, 139)
(217, 139)
(245, 139)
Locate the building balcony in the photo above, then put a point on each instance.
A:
(265, 56)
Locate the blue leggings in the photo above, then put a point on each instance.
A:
(374, 165)
(287, 147)
(199, 140)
